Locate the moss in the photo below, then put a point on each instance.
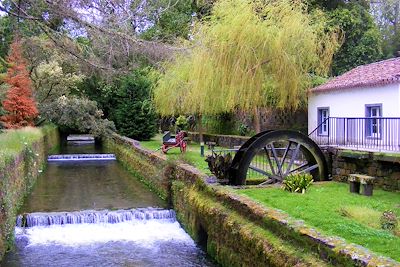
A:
(354, 154)
(236, 230)
(19, 173)
(389, 157)
(232, 239)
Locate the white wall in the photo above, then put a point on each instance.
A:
(351, 102)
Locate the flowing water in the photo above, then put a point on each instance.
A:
(94, 213)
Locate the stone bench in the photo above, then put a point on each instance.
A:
(367, 182)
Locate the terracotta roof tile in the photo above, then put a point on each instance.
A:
(378, 73)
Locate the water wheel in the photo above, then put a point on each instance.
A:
(273, 155)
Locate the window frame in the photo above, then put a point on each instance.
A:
(319, 121)
(369, 121)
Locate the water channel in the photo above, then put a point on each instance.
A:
(94, 213)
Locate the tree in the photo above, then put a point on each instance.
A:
(334, 4)
(363, 42)
(172, 24)
(133, 114)
(51, 80)
(19, 104)
(6, 35)
(247, 55)
(387, 15)
(112, 27)
(74, 114)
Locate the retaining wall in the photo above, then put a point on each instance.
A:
(385, 167)
(342, 162)
(17, 177)
(229, 141)
(233, 229)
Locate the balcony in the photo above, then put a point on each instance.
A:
(375, 134)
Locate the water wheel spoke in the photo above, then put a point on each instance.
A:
(310, 168)
(263, 172)
(306, 167)
(298, 168)
(277, 161)
(269, 161)
(292, 159)
(284, 157)
(269, 181)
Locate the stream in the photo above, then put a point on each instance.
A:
(89, 211)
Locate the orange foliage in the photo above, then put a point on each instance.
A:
(19, 104)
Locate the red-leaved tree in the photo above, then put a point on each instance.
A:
(19, 105)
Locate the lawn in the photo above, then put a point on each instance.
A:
(191, 156)
(13, 142)
(330, 208)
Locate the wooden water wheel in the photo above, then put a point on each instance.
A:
(273, 155)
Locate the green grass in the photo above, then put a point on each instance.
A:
(12, 142)
(330, 208)
(191, 156)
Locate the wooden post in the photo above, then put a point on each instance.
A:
(200, 129)
(257, 123)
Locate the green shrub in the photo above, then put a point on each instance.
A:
(243, 129)
(133, 114)
(181, 122)
(74, 114)
(223, 123)
(388, 220)
(298, 183)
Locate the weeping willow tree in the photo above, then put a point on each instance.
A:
(246, 55)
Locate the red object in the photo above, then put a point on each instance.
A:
(178, 141)
(19, 104)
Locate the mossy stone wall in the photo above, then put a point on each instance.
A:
(17, 178)
(233, 229)
(384, 167)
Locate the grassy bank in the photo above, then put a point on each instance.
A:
(191, 156)
(330, 208)
(13, 142)
(22, 158)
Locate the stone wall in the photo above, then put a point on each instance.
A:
(235, 230)
(17, 177)
(385, 167)
(229, 141)
(273, 119)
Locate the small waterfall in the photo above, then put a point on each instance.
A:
(80, 137)
(83, 139)
(94, 217)
(80, 157)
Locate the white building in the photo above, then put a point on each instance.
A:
(359, 109)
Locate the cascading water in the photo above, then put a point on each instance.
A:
(89, 213)
(94, 217)
(80, 157)
(136, 237)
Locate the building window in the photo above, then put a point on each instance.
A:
(373, 122)
(323, 122)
